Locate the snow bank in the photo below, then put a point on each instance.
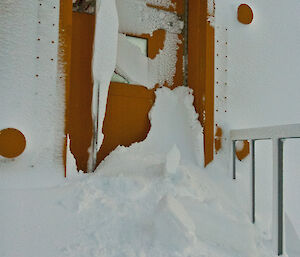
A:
(150, 199)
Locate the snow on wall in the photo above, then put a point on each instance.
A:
(256, 77)
(141, 70)
(30, 99)
(162, 3)
(137, 18)
(258, 64)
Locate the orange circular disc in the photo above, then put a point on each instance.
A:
(12, 142)
(244, 152)
(245, 14)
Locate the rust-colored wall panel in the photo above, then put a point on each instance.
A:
(81, 89)
(201, 70)
(126, 119)
(64, 64)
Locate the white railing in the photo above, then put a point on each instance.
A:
(277, 134)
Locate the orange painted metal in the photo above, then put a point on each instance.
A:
(245, 14)
(244, 152)
(201, 70)
(126, 119)
(64, 64)
(80, 123)
(12, 143)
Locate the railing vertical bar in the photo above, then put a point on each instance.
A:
(233, 160)
(277, 134)
(280, 197)
(253, 179)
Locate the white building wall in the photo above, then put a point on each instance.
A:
(30, 98)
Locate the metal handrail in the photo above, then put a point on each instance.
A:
(277, 134)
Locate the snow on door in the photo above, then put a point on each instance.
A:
(126, 113)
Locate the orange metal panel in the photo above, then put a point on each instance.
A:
(201, 70)
(65, 38)
(126, 119)
(81, 90)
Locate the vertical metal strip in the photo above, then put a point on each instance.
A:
(280, 197)
(233, 160)
(253, 179)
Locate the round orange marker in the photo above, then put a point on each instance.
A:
(245, 14)
(12, 143)
(244, 151)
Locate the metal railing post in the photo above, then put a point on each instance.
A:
(253, 178)
(233, 160)
(280, 197)
(277, 134)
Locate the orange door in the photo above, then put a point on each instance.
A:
(126, 119)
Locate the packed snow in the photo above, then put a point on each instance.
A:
(150, 199)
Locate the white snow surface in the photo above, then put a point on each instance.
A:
(149, 199)
(141, 70)
(137, 18)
